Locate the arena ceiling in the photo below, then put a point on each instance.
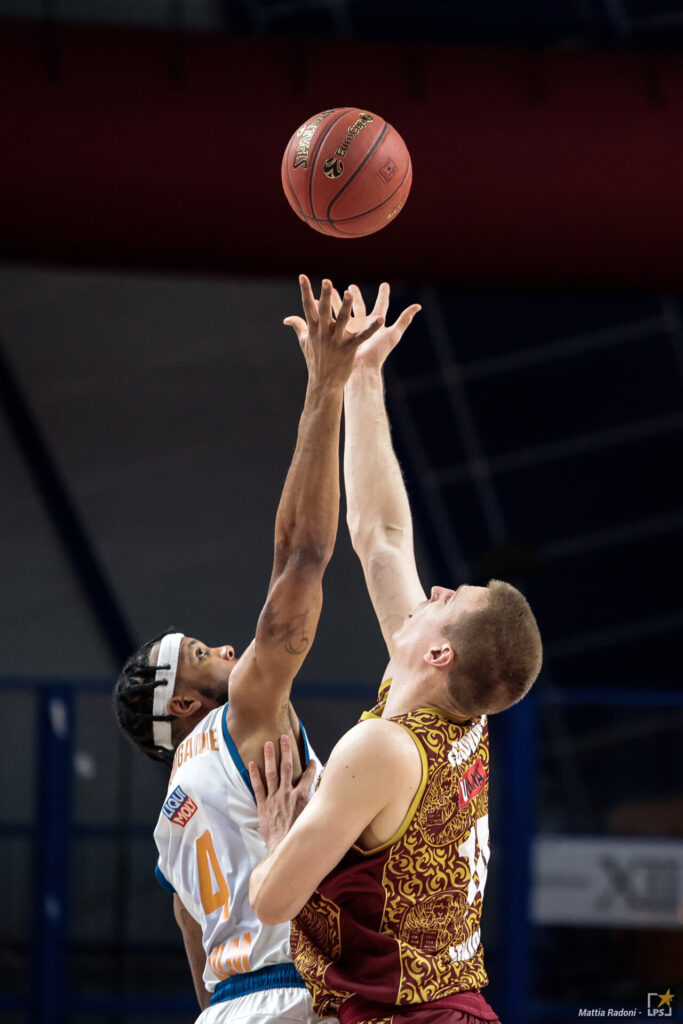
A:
(539, 416)
(556, 22)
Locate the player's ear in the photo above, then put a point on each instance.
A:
(183, 705)
(440, 656)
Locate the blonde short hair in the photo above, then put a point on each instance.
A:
(498, 652)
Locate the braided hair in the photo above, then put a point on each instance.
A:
(134, 699)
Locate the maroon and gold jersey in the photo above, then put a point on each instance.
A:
(400, 925)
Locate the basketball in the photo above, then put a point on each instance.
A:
(346, 172)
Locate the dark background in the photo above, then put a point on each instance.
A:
(150, 399)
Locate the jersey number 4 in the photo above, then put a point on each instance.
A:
(213, 886)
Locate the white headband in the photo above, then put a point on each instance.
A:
(169, 649)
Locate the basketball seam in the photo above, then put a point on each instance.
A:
(293, 198)
(358, 169)
(344, 220)
(314, 158)
(289, 180)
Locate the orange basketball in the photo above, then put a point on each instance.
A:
(346, 172)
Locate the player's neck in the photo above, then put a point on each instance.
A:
(408, 691)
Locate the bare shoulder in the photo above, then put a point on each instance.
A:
(376, 745)
(376, 766)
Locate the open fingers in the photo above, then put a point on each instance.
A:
(373, 326)
(381, 306)
(336, 302)
(297, 324)
(325, 304)
(285, 761)
(358, 301)
(308, 299)
(406, 318)
(299, 327)
(345, 310)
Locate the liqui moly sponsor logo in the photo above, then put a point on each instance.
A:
(179, 807)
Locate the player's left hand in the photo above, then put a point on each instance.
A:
(279, 803)
(373, 351)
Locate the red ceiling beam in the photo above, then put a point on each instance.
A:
(141, 148)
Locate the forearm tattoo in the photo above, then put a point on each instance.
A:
(292, 634)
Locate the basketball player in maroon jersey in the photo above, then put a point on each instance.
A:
(383, 873)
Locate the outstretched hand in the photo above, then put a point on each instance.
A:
(279, 803)
(330, 337)
(375, 349)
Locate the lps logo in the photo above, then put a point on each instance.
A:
(179, 807)
(659, 1006)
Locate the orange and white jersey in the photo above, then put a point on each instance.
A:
(208, 840)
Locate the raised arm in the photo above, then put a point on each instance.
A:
(307, 516)
(378, 512)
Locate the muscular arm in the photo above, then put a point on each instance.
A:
(305, 532)
(378, 512)
(192, 938)
(305, 525)
(369, 782)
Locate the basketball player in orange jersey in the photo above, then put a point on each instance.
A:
(384, 870)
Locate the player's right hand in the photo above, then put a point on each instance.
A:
(330, 337)
(373, 351)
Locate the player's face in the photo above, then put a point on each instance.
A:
(424, 626)
(206, 669)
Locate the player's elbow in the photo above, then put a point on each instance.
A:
(359, 532)
(270, 907)
(308, 559)
(267, 913)
(271, 894)
(377, 539)
(311, 557)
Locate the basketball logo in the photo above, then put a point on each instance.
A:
(387, 172)
(333, 167)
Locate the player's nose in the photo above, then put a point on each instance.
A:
(226, 652)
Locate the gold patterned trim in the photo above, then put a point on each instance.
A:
(410, 813)
(368, 714)
(376, 712)
(384, 687)
(451, 719)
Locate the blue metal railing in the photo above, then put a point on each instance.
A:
(51, 851)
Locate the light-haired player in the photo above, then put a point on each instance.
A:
(384, 870)
(171, 701)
